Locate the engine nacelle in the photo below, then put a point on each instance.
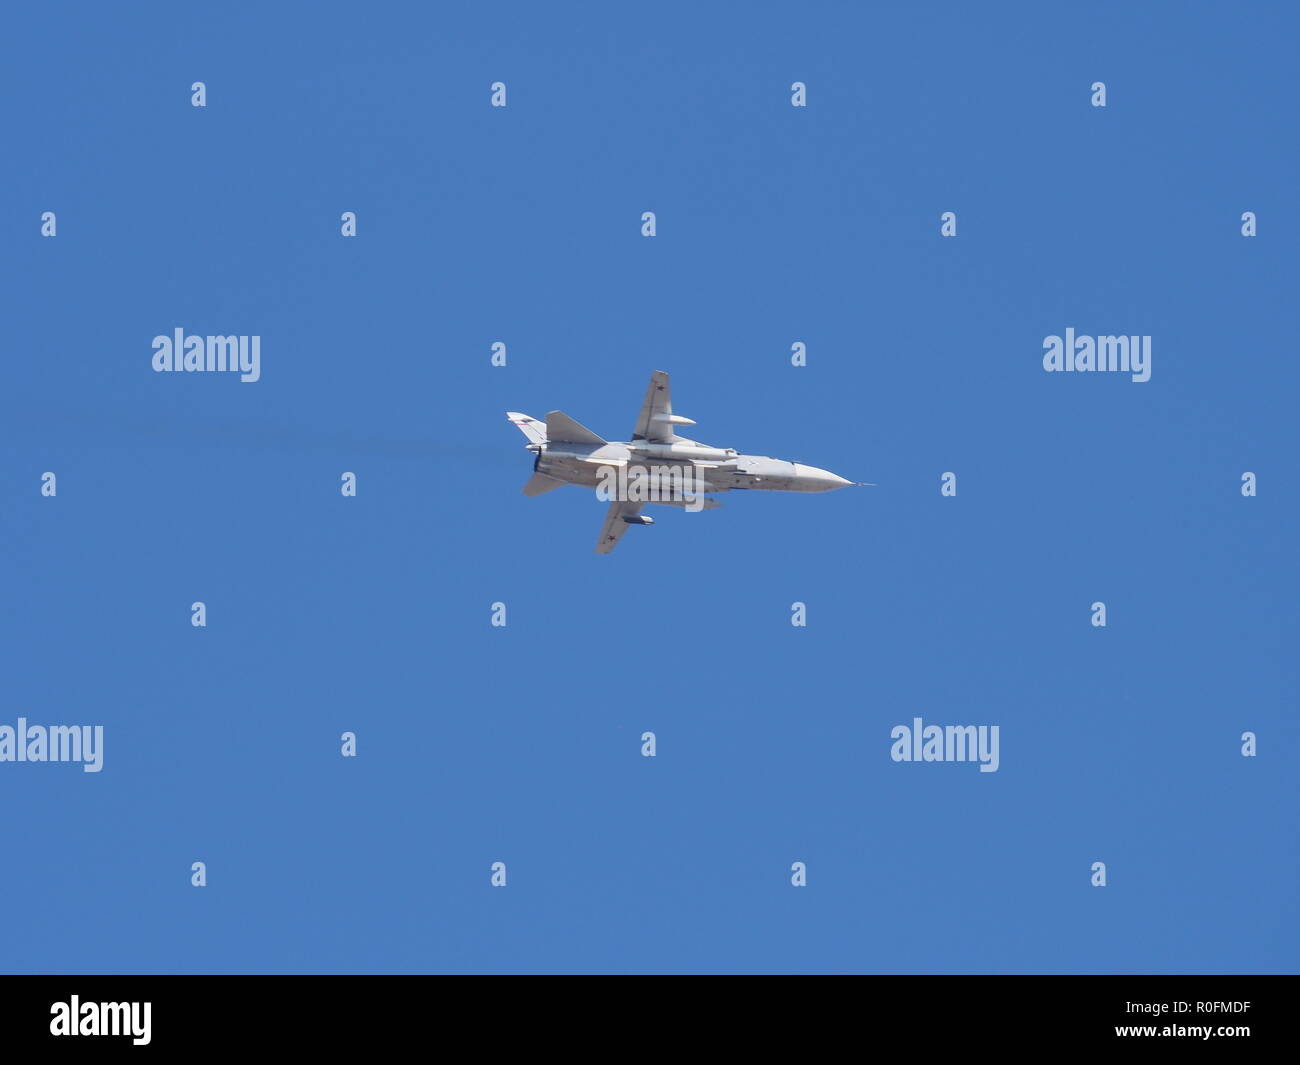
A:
(638, 519)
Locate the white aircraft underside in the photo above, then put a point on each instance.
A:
(656, 467)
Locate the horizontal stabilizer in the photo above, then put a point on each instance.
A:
(562, 429)
(539, 483)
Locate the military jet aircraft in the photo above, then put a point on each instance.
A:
(656, 466)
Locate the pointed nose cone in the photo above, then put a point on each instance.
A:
(811, 479)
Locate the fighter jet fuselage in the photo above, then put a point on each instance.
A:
(655, 467)
(713, 469)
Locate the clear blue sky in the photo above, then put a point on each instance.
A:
(521, 744)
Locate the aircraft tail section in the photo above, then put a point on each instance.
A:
(561, 429)
(530, 427)
(539, 483)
